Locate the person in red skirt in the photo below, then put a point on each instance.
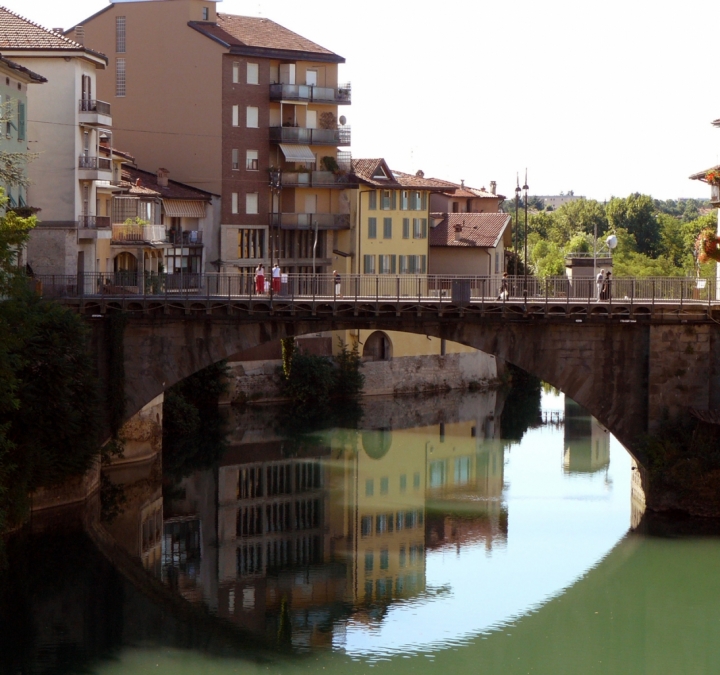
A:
(276, 279)
(260, 279)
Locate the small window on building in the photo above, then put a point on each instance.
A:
(253, 73)
(235, 115)
(251, 160)
(372, 228)
(252, 117)
(120, 34)
(369, 486)
(251, 202)
(236, 72)
(205, 13)
(387, 264)
(372, 200)
(404, 200)
(406, 228)
(235, 159)
(120, 81)
(387, 228)
(234, 202)
(369, 264)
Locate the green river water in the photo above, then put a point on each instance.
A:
(424, 542)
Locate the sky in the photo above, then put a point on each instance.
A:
(604, 99)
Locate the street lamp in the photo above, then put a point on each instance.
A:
(517, 201)
(526, 188)
(275, 188)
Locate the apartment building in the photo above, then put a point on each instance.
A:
(14, 81)
(460, 198)
(64, 134)
(221, 100)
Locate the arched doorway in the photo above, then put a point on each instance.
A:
(125, 266)
(378, 347)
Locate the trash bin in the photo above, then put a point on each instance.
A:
(461, 291)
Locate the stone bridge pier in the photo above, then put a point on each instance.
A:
(628, 375)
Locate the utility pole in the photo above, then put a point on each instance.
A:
(517, 221)
(526, 188)
(276, 188)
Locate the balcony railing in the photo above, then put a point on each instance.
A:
(89, 105)
(187, 238)
(131, 232)
(94, 163)
(715, 194)
(314, 179)
(304, 136)
(307, 221)
(94, 222)
(305, 92)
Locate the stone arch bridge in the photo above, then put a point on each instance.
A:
(628, 363)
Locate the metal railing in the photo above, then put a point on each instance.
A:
(90, 105)
(312, 93)
(341, 136)
(96, 163)
(457, 290)
(314, 179)
(186, 238)
(94, 222)
(307, 221)
(133, 232)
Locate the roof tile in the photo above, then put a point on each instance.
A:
(476, 229)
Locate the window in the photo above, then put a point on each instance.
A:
(403, 483)
(21, 121)
(436, 474)
(418, 200)
(372, 228)
(235, 160)
(369, 561)
(387, 264)
(413, 264)
(388, 200)
(205, 13)
(406, 228)
(253, 73)
(462, 470)
(234, 202)
(369, 487)
(369, 264)
(384, 559)
(120, 34)
(420, 228)
(404, 200)
(372, 200)
(366, 524)
(381, 524)
(251, 202)
(235, 115)
(251, 243)
(402, 556)
(384, 485)
(416, 481)
(252, 117)
(120, 83)
(236, 72)
(387, 228)
(251, 160)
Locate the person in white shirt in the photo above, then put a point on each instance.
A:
(599, 282)
(276, 279)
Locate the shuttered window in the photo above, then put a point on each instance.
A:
(387, 228)
(372, 228)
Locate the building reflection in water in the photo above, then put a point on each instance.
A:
(587, 442)
(287, 547)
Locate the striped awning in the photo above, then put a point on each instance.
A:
(297, 153)
(184, 208)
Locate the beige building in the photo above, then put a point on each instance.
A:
(64, 132)
(220, 100)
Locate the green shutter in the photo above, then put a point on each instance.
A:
(424, 201)
(393, 268)
(372, 228)
(406, 228)
(387, 228)
(21, 121)
(394, 199)
(424, 228)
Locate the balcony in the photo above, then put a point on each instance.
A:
(131, 233)
(715, 194)
(94, 112)
(303, 136)
(94, 227)
(304, 92)
(94, 168)
(308, 221)
(186, 238)
(315, 179)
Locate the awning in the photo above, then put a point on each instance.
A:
(297, 153)
(184, 208)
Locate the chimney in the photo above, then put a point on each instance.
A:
(138, 183)
(162, 177)
(462, 183)
(80, 34)
(493, 187)
(458, 228)
(420, 174)
(59, 31)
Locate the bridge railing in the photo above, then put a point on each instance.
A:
(386, 287)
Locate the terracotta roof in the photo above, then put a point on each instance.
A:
(716, 122)
(105, 150)
(251, 31)
(477, 229)
(700, 175)
(365, 170)
(413, 180)
(22, 69)
(174, 190)
(19, 33)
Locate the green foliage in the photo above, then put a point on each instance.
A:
(287, 345)
(636, 214)
(311, 382)
(349, 380)
(579, 216)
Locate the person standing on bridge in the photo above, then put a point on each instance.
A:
(600, 283)
(607, 286)
(276, 279)
(504, 293)
(336, 280)
(260, 279)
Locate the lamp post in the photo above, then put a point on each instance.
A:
(517, 202)
(275, 189)
(526, 188)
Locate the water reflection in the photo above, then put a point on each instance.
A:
(587, 442)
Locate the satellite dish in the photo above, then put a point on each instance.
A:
(611, 241)
(343, 120)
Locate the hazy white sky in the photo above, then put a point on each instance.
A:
(610, 98)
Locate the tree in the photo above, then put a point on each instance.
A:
(581, 215)
(636, 214)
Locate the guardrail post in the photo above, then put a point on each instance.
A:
(377, 289)
(397, 284)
